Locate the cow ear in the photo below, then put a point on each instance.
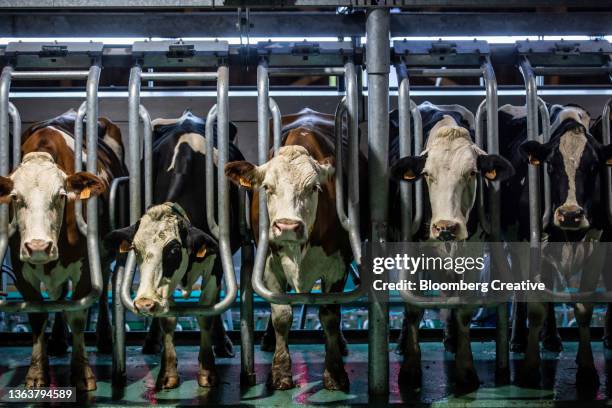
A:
(327, 168)
(244, 174)
(200, 243)
(83, 185)
(6, 188)
(409, 168)
(494, 167)
(535, 151)
(120, 240)
(605, 154)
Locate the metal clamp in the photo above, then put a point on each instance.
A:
(265, 106)
(91, 231)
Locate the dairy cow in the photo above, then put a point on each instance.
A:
(575, 159)
(307, 241)
(48, 249)
(450, 164)
(178, 181)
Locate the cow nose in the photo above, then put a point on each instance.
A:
(570, 216)
(144, 305)
(287, 225)
(445, 230)
(38, 245)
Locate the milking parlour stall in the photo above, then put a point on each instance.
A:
(306, 203)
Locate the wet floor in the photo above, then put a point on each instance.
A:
(558, 373)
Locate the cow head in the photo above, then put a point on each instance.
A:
(574, 159)
(166, 245)
(38, 189)
(292, 181)
(450, 165)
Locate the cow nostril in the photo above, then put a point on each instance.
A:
(144, 305)
(289, 225)
(38, 245)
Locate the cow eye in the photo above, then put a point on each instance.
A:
(472, 173)
(171, 258)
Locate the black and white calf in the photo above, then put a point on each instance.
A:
(450, 164)
(171, 253)
(575, 160)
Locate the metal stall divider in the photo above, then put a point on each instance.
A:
(302, 59)
(53, 61)
(563, 58)
(171, 54)
(451, 59)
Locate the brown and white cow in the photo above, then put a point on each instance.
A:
(48, 250)
(307, 241)
(450, 165)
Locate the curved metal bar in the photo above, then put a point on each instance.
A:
(418, 149)
(545, 122)
(112, 200)
(276, 125)
(606, 140)
(210, 172)
(352, 110)
(263, 110)
(147, 141)
(16, 119)
(405, 149)
(480, 200)
(78, 163)
(339, 179)
(5, 86)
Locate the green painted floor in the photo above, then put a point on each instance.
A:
(558, 386)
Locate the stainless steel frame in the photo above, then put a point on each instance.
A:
(90, 108)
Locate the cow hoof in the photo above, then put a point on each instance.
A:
(587, 379)
(224, 348)
(57, 347)
(268, 342)
(529, 377)
(167, 381)
(552, 343)
(83, 379)
(281, 382)
(208, 378)
(151, 346)
(450, 344)
(518, 346)
(36, 378)
(410, 378)
(466, 382)
(337, 382)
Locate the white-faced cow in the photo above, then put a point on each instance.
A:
(575, 159)
(450, 164)
(307, 241)
(48, 250)
(178, 176)
(171, 253)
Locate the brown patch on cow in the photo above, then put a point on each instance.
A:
(491, 175)
(201, 252)
(125, 247)
(242, 173)
(6, 187)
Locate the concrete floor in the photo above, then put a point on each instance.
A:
(558, 385)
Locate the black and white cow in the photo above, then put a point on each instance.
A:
(575, 159)
(178, 177)
(450, 164)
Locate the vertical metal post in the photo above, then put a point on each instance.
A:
(605, 131)
(247, 325)
(5, 86)
(377, 59)
(405, 149)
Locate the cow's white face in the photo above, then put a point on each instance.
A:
(38, 189)
(164, 243)
(292, 181)
(450, 165)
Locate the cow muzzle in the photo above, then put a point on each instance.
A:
(146, 306)
(571, 217)
(445, 230)
(286, 229)
(38, 251)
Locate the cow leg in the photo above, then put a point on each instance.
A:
(607, 339)
(207, 376)
(222, 345)
(153, 340)
(410, 375)
(586, 376)
(530, 374)
(104, 337)
(551, 340)
(57, 345)
(38, 373)
(334, 377)
(466, 378)
(518, 340)
(282, 318)
(168, 374)
(81, 375)
(268, 340)
(450, 331)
